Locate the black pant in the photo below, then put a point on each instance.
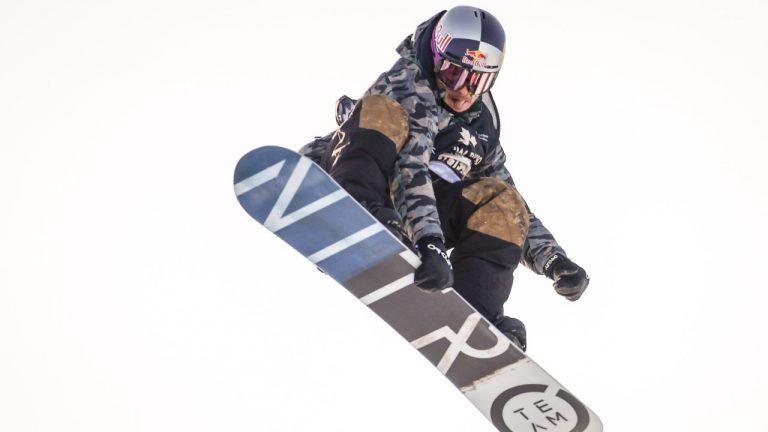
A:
(483, 264)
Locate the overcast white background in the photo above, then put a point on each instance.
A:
(136, 295)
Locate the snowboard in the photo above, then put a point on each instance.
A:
(296, 200)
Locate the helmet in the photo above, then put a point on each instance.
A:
(468, 49)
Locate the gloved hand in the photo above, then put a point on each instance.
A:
(435, 272)
(570, 279)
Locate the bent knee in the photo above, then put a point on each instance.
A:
(382, 114)
(501, 211)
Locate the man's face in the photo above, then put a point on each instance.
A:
(458, 100)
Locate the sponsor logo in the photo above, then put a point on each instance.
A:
(474, 58)
(441, 253)
(461, 165)
(442, 39)
(466, 137)
(551, 261)
(538, 408)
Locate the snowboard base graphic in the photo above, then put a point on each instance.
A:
(301, 204)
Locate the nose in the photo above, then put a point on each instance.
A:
(463, 91)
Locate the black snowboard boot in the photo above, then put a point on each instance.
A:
(512, 328)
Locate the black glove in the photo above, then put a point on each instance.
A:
(570, 279)
(435, 272)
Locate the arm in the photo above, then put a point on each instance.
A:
(541, 252)
(412, 191)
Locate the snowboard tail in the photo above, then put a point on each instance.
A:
(296, 200)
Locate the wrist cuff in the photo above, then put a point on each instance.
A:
(552, 263)
(425, 241)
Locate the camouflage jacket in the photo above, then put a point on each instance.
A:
(434, 135)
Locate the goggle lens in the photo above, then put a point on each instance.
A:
(456, 77)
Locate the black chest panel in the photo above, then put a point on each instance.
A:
(463, 145)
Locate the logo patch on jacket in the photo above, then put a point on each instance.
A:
(466, 138)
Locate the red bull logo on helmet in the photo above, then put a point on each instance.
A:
(442, 39)
(474, 58)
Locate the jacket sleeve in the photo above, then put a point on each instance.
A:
(411, 184)
(540, 245)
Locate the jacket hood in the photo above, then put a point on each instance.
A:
(416, 48)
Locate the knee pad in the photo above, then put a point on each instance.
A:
(501, 211)
(364, 150)
(381, 114)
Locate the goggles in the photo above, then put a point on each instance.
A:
(455, 77)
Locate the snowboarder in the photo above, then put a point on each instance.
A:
(420, 150)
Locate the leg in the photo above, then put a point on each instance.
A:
(486, 223)
(363, 151)
(362, 154)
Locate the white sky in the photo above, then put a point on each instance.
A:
(136, 295)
